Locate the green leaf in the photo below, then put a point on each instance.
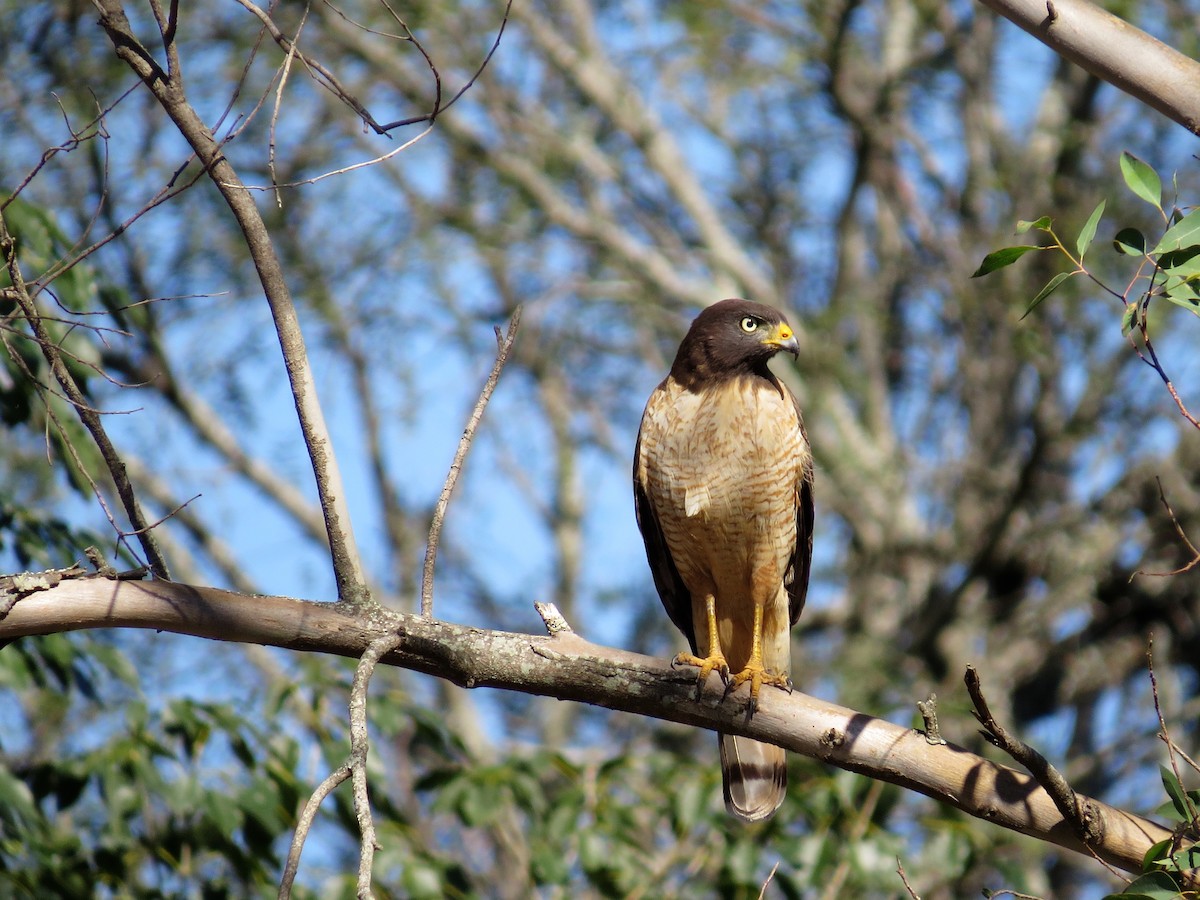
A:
(1154, 886)
(1175, 792)
(1185, 297)
(1129, 318)
(1050, 288)
(1184, 233)
(1156, 855)
(1089, 230)
(1130, 241)
(1182, 264)
(1042, 224)
(1142, 179)
(998, 259)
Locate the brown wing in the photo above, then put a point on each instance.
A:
(667, 580)
(800, 565)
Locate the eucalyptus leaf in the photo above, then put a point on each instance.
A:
(998, 259)
(1130, 241)
(1051, 286)
(1042, 224)
(1089, 230)
(1184, 233)
(1141, 179)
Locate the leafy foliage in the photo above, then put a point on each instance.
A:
(1172, 264)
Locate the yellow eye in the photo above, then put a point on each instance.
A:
(749, 324)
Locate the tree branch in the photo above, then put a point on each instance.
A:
(503, 347)
(1075, 809)
(167, 88)
(1112, 49)
(570, 668)
(88, 415)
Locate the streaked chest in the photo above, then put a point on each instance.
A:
(724, 454)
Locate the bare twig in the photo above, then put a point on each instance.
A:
(1163, 732)
(770, 877)
(362, 164)
(904, 878)
(359, 748)
(327, 79)
(1079, 815)
(1187, 567)
(504, 345)
(304, 825)
(284, 71)
(1187, 759)
(90, 417)
(1154, 363)
(320, 74)
(93, 129)
(438, 108)
(353, 769)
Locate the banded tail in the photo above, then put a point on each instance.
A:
(754, 777)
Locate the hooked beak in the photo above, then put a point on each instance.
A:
(782, 338)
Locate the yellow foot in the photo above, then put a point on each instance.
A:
(716, 663)
(757, 675)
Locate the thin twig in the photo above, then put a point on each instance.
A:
(373, 161)
(90, 418)
(1153, 362)
(1182, 536)
(304, 823)
(1187, 759)
(93, 129)
(903, 877)
(353, 769)
(438, 108)
(320, 73)
(464, 444)
(1163, 732)
(285, 71)
(359, 748)
(770, 877)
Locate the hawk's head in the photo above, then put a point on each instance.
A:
(731, 338)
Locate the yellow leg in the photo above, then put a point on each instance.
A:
(755, 672)
(715, 659)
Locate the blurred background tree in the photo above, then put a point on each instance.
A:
(985, 488)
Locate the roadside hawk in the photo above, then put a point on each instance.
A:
(722, 481)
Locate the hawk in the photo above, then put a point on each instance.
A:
(722, 482)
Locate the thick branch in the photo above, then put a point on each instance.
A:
(569, 668)
(1112, 49)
